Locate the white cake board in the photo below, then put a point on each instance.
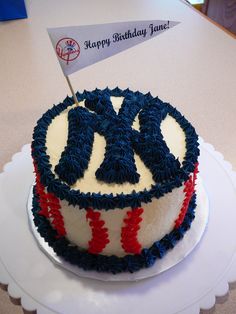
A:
(185, 288)
(173, 257)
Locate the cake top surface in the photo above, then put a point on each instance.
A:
(116, 149)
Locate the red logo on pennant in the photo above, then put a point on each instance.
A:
(67, 49)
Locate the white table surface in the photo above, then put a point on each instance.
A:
(192, 66)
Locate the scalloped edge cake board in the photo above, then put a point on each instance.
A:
(43, 286)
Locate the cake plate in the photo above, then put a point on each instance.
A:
(185, 288)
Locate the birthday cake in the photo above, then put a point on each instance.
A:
(115, 179)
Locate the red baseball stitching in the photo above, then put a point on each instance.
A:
(129, 232)
(189, 188)
(50, 206)
(99, 232)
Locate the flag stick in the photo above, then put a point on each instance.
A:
(72, 91)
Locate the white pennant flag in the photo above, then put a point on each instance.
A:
(79, 46)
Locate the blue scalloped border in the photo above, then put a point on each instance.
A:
(111, 264)
(110, 201)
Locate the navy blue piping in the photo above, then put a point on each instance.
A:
(109, 201)
(75, 158)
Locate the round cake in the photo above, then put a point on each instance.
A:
(115, 179)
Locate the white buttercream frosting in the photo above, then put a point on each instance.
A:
(157, 220)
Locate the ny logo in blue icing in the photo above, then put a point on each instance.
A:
(122, 140)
